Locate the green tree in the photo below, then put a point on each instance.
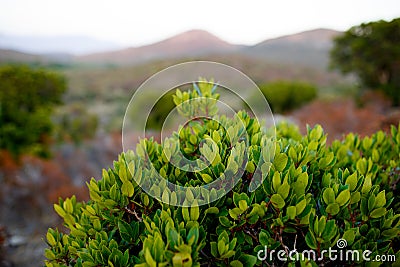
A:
(371, 51)
(27, 97)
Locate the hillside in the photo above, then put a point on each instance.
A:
(309, 48)
(190, 43)
(7, 55)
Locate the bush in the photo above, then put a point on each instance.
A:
(312, 196)
(284, 96)
(75, 123)
(27, 97)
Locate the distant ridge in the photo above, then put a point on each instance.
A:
(318, 38)
(308, 48)
(11, 56)
(190, 43)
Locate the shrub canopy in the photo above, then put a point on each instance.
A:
(312, 196)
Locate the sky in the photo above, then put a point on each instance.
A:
(135, 23)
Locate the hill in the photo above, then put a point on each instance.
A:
(190, 43)
(309, 48)
(7, 55)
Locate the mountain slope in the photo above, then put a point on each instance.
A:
(309, 48)
(11, 56)
(190, 43)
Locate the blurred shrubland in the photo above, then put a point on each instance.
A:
(27, 99)
(284, 96)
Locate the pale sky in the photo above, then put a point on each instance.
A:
(130, 22)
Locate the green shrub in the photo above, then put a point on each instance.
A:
(312, 196)
(27, 97)
(284, 96)
(75, 123)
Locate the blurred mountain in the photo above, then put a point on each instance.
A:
(309, 48)
(190, 43)
(7, 55)
(55, 44)
(12, 56)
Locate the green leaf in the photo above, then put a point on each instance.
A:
(283, 190)
(224, 221)
(333, 208)
(349, 236)
(182, 259)
(277, 201)
(291, 211)
(49, 254)
(329, 196)
(371, 202)
(391, 233)
(212, 210)
(125, 230)
(149, 259)
(377, 213)
(50, 239)
(68, 207)
(263, 238)
(380, 199)
(221, 247)
(194, 212)
(158, 249)
(236, 263)
(214, 249)
(206, 178)
(352, 181)
(248, 260)
(276, 181)
(237, 197)
(228, 254)
(193, 234)
(301, 206)
(310, 240)
(185, 214)
(243, 205)
(343, 197)
(361, 166)
(367, 185)
(235, 213)
(280, 161)
(321, 225)
(60, 211)
(127, 189)
(293, 154)
(355, 197)
(330, 230)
